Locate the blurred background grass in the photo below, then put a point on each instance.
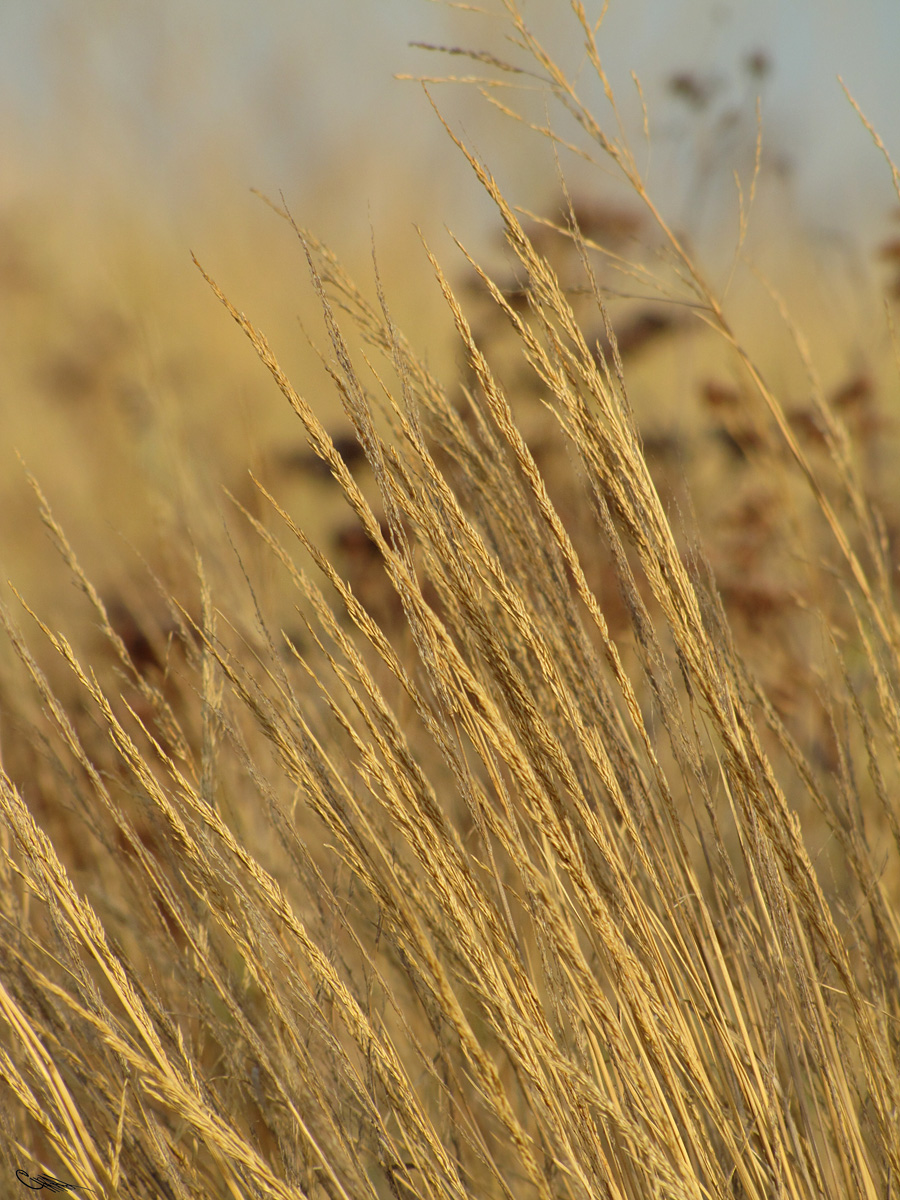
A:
(134, 136)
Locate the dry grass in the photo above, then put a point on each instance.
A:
(552, 850)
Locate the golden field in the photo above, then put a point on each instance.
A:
(450, 745)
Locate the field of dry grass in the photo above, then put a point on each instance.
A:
(500, 801)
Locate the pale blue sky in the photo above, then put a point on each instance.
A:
(166, 87)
